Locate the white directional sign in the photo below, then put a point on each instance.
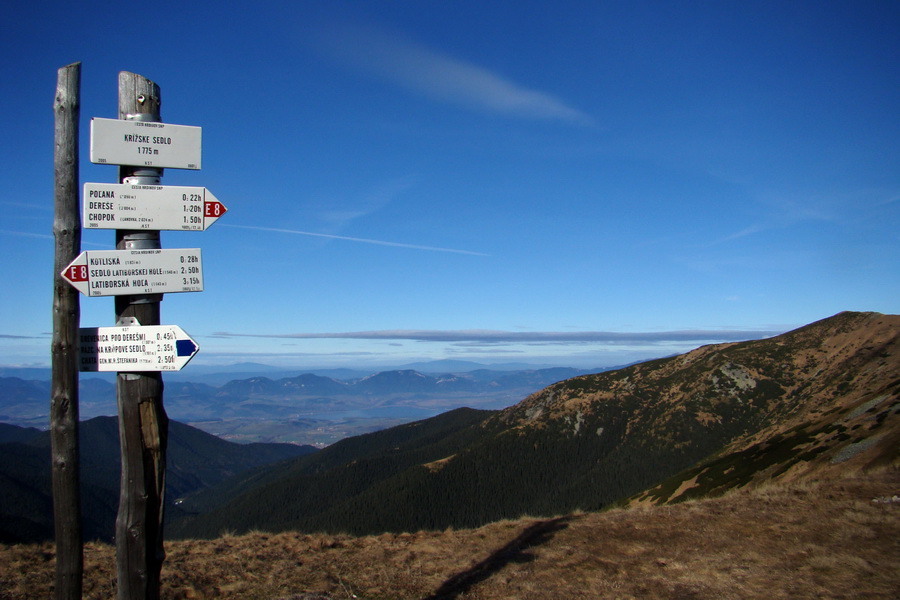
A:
(123, 272)
(153, 207)
(134, 348)
(146, 144)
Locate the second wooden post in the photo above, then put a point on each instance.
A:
(143, 424)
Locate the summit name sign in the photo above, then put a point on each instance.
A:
(145, 144)
(126, 272)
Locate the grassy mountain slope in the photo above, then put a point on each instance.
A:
(792, 404)
(751, 411)
(837, 537)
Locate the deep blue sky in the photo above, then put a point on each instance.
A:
(581, 183)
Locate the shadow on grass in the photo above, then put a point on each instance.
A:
(515, 551)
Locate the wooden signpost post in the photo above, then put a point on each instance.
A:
(139, 348)
(64, 347)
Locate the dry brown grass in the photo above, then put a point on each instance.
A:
(799, 541)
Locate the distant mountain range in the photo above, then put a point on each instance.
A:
(219, 375)
(195, 460)
(26, 401)
(825, 396)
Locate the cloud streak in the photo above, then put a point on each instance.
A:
(355, 239)
(480, 336)
(47, 236)
(373, 201)
(424, 71)
(787, 212)
(43, 236)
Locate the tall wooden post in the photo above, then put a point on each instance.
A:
(143, 424)
(64, 346)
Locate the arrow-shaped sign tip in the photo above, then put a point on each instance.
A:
(185, 347)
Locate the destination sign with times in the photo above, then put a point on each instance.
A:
(124, 272)
(134, 348)
(145, 144)
(151, 207)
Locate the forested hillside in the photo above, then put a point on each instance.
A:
(195, 460)
(291, 493)
(793, 403)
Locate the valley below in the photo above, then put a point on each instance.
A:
(330, 421)
(305, 409)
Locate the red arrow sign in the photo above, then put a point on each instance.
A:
(214, 209)
(76, 273)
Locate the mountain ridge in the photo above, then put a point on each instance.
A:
(592, 441)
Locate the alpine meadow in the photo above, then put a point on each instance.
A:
(761, 469)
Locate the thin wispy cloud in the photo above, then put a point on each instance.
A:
(374, 200)
(444, 78)
(479, 336)
(27, 205)
(26, 234)
(784, 213)
(245, 355)
(48, 236)
(356, 239)
(888, 200)
(750, 230)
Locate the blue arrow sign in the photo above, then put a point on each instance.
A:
(185, 347)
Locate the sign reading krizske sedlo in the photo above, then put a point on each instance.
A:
(124, 272)
(152, 207)
(145, 144)
(134, 348)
